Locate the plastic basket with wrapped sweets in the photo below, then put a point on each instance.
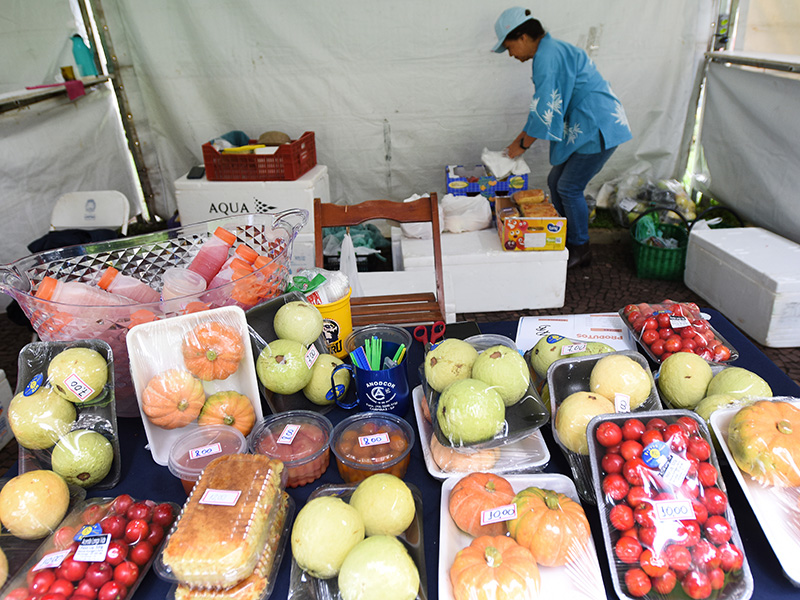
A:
(147, 257)
(668, 528)
(479, 393)
(583, 387)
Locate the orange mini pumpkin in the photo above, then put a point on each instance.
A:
(212, 350)
(549, 524)
(228, 408)
(494, 568)
(173, 399)
(475, 493)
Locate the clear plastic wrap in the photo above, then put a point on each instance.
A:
(192, 452)
(668, 327)
(569, 377)
(193, 370)
(258, 585)
(528, 455)
(485, 396)
(98, 538)
(372, 442)
(299, 438)
(777, 508)
(285, 397)
(558, 539)
(64, 413)
(225, 524)
(668, 528)
(304, 586)
(635, 195)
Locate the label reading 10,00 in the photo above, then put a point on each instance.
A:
(501, 513)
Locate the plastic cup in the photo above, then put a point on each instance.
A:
(190, 454)
(182, 283)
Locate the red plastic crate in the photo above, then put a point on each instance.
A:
(288, 163)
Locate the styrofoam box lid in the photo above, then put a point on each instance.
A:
(758, 254)
(306, 181)
(473, 247)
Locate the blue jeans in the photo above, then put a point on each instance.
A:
(567, 183)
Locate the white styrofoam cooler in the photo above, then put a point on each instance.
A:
(482, 277)
(201, 200)
(750, 275)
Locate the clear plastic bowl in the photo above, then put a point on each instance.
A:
(306, 450)
(372, 442)
(190, 454)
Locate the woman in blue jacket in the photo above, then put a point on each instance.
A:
(574, 108)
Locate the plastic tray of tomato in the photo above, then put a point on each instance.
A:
(668, 528)
(132, 532)
(669, 327)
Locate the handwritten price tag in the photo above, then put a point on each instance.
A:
(78, 387)
(52, 560)
(202, 451)
(311, 356)
(622, 403)
(501, 513)
(288, 433)
(674, 510)
(220, 497)
(573, 348)
(373, 440)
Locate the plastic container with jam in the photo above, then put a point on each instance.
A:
(372, 442)
(190, 454)
(300, 439)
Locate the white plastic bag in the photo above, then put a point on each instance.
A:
(421, 231)
(349, 266)
(501, 166)
(466, 213)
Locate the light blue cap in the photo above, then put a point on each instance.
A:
(507, 22)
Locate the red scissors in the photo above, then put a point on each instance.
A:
(437, 333)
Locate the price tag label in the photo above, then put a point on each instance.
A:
(375, 439)
(573, 348)
(674, 469)
(628, 204)
(52, 560)
(501, 513)
(674, 510)
(288, 433)
(202, 451)
(93, 548)
(622, 403)
(78, 386)
(220, 497)
(677, 322)
(311, 356)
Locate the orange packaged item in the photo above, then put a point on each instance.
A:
(528, 197)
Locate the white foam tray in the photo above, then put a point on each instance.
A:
(156, 347)
(528, 455)
(777, 515)
(578, 580)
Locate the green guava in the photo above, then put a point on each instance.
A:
(325, 530)
(87, 364)
(281, 367)
(709, 404)
(385, 503)
(320, 383)
(683, 379)
(547, 351)
(593, 348)
(574, 414)
(299, 321)
(739, 382)
(82, 457)
(620, 374)
(379, 568)
(470, 411)
(449, 361)
(38, 420)
(505, 370)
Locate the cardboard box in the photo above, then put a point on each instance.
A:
(464, 181)
(750, 275)
(528, 233)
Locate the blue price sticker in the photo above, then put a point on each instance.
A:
(655, 454)
(34, 384)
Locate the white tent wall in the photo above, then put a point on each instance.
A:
(770, 26)
(394, 91)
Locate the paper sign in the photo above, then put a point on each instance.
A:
(674, 510)
(373, 440)
(622, 403)
(52, 560)
(78, 387)
(311, 356)
(675, 469)
(220, 497)
(93, 548)
(572, 348)
(677, 322)
(594, 327)
(202, 451)
(501, 513)
(288, 433)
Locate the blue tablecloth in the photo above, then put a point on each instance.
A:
(143, 478)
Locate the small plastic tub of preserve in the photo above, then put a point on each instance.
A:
(301, 439)
(190, 453)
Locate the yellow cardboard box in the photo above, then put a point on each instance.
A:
(528, 233)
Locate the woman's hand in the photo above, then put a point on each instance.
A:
(521, 143)
(514, 150)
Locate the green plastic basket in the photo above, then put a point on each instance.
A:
(653, 262)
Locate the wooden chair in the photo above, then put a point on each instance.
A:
(399, 308)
